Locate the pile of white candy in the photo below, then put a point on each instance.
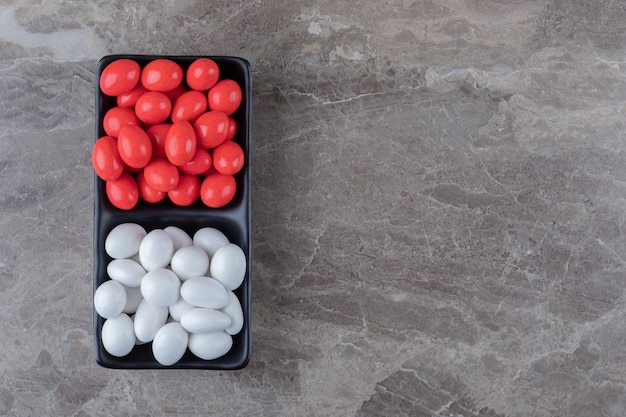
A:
(172, 290)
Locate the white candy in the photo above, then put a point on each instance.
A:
(204, 292)
(160, 287)
(118, 337)
(137, 341)
(235, 312)
(126, 271)
(180, 238)
(156, 250)
(123, 240)
(201, 314)
(109, 299)
(170, 343)
(179, 308)
(209, 239)
(148, 320)
(190, 261)
(210, 346)
(133, 298)
(228, 266)
(204, 320)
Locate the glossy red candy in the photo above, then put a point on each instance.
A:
(232, 129)
(131, 170)
(228, 158)
(134, 146)
(211, 170)
(187, 191)
(157, 135)
(199, 164)
(225, 96)
(153, 107)
(177, 92)
(180, 143)
(202, 74)
(123, 192)
(217, 190)
(189, 106)
(106, 159)
(116, 118)
(161, 175)
(119, 77)
(170, 135)
(161, 75)
(148, 193)
(211, 129)
(129, 99)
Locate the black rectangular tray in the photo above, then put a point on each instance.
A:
(234, 220)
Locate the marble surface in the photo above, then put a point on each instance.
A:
(438, 204)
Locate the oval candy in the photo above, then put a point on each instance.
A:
(204, 320)
(133, 298)
(118, 337)
(180, 238)
(228, 266)
(109, 299)
(190, 261)
(160, 287)
(204, 292)
(156, 250)
(123, 240)
(210, 239)
(169, 344)
(235, 312)
(210, 346)
(179, 308)
(148, 320)
(126, 271)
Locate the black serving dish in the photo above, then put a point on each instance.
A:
(234, 220)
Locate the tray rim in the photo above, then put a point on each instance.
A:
(246, 217)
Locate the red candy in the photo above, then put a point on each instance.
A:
(118, 117)
(119, 77)
(130, 98)
(217, 190)
(169, 134)
(180, 143)
(134, 146)
(106, 159)
(211, 129)
(161, 75)
(175, 93)
(232, 129)
(199, 164)
(123, 192)
(161, 175)
(228, 158)
(153, 107)
(157, 135)
(189, 106)
(187, 190)
(225, 96)
(202, 74)
(148, 193)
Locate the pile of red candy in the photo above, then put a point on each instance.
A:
(170, 135)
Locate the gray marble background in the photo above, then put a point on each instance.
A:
(438, 205)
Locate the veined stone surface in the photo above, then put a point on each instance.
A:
(439, 194)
